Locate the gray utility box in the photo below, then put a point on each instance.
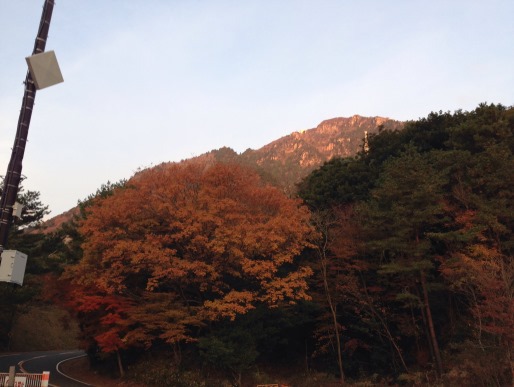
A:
(12, 268)
(44, 69)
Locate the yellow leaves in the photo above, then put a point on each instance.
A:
(229, 306)
(258, 268)
(486, 276)
(181, 270)
(480, 261)
(290, 288)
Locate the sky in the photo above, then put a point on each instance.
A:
(153, 81)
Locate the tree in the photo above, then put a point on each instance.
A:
(31, 244)
(193, 243)
(434, 201)
(32, 213)
(478, 260)
(337, 183)
(232, 348)
(332, 272)
(405, 207)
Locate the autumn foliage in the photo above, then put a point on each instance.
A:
(181, 245)
(395, 267)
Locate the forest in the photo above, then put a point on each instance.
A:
(393, 267)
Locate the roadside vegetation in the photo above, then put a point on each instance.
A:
(391, 267)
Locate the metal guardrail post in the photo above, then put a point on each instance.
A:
(12, 375)
(45, 379)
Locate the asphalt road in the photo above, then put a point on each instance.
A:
(37, 362)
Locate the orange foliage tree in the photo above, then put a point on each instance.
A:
(186, 244)
(485, 275)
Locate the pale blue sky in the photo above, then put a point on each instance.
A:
(163, 80)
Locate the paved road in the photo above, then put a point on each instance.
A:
(37, 362)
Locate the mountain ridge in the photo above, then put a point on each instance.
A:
(287, 160)
(290, 158)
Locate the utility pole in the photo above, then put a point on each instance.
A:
(13, 175)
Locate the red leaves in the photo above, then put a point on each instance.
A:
(109, 341)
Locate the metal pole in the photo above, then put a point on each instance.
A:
(13, 175)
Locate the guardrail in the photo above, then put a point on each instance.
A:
(25, 380)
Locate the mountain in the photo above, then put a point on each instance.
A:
(286, 161)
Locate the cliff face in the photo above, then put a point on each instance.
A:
(286, 161)
(291, 158)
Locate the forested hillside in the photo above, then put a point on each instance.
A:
(393, 266)
(427, 281)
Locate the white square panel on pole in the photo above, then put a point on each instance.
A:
(44, 69)
(12, 268)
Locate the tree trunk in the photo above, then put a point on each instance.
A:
(306, 357)
(511, 362)
(334, 318)
(120, 365)
(437, 353)
(376, 315)
(425, 327)
(324, 226)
